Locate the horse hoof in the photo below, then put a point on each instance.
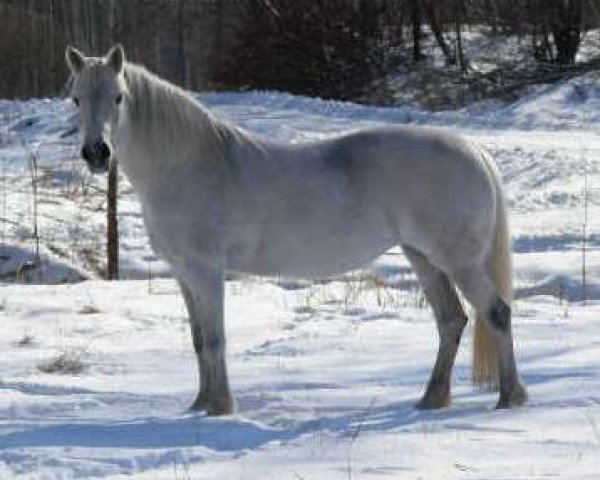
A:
(218, 409)
(201, 403)
(223, 406)
(516, 398)
(433, 402)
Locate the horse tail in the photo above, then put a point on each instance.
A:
(499, 268)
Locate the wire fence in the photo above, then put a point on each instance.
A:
(53, 212)
(50, 229)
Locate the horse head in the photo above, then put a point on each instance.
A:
(99, 91)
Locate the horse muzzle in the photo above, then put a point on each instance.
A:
(97, 156)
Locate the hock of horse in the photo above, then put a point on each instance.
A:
(217, 199)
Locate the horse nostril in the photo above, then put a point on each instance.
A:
(85, 154)
(104, 151)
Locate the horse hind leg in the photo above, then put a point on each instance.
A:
(480, 291)
(450, 320)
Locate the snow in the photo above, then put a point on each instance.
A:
(326, 373)
(322, 392)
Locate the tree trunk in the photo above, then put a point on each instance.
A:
(438, 32)
(492, 15)
(182, 26)
(458, 12)
(32, 77)
(416, 30)
(566, 29)
(217, 53)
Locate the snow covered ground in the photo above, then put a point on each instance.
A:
(325, 389)
(326, 373)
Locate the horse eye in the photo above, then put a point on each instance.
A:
(76, 101)
(119, 99)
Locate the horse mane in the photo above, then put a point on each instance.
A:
(170, 115)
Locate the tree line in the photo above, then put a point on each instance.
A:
(330, 48)
(179, 39)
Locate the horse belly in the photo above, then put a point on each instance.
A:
(314, 249)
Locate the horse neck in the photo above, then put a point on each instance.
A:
(164, 128)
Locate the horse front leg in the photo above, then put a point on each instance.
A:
(201, 401)
(203, 295)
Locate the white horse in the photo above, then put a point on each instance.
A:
(218, 199)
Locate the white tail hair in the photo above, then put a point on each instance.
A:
(499, 268)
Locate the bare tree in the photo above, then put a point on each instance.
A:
(415, 15)
(459, 15)
(566, 25)
(437, 30)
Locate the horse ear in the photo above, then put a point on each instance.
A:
(75, 59)
(116, 57)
